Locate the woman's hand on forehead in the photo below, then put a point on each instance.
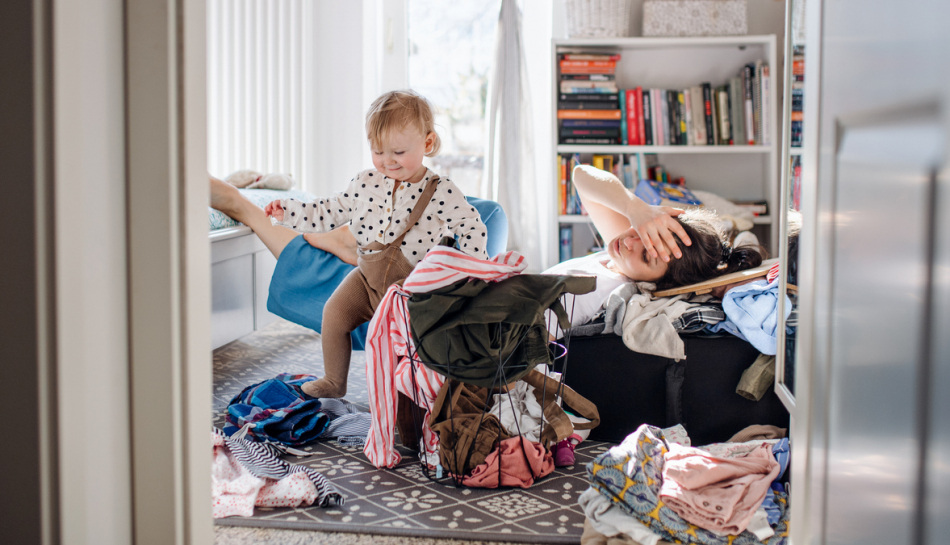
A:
(658, 227)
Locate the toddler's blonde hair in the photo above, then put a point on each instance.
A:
(396, 110)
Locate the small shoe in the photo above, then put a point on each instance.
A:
(564, 453)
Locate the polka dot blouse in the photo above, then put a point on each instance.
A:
(375, 214)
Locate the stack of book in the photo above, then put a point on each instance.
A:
(798, 93)
(734, 113)
(588, 99)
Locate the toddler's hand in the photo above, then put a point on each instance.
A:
(275, 210)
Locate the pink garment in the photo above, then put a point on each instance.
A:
(718, 494)
(235, 491)
(515, 469)
(389, 344)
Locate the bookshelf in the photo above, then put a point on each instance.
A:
(736, 172)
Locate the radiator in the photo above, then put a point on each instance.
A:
(260, 86)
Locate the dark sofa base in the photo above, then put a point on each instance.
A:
(699, 392)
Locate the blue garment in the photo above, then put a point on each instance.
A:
(751, 310)
(305, 277)
(277, 410)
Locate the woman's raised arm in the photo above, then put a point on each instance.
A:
(614, 209)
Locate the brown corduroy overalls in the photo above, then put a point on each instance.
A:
(355, 300)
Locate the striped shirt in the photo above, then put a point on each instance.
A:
(391, 362)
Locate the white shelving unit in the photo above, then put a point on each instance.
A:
(734, 172)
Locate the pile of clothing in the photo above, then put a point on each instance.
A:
(653, 325)
(457, 327)
(654, 486)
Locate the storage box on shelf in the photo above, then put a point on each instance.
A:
(671, 115)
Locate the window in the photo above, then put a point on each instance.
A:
(450, 56)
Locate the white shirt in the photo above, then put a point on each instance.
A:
(368, 205)
(581, 308)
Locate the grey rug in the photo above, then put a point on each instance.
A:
(401, 501)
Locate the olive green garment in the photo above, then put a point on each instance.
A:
(490, 333)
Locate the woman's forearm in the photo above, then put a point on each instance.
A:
(602, 187)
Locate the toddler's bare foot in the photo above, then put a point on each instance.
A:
(339, 242)
(323, 388)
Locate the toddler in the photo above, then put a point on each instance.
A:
(398, 210)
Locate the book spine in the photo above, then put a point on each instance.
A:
(586, 105)
(757, 100)
(562, 185)
(688, 108)
(724, 132)
(589, 57)
(681, 115)
(749, 98)
(766, 110)
(577, 132)
(591, 123)
(664, 121)
(566, 236)
(638, 106)
(736, 122)
(707, 114)
(592, 141)
(580, 86)
(672, 118)
(588, 77)
(633, 135)
(600, 65)
(624, 124)
(647, 119)
(714, 102)
(588, 114)
(588, 97)
(658, 137)
(699, 116)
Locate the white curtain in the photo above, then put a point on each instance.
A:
(509, 162)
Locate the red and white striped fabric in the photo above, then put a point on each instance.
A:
(443, 265)
(773, 273)
(388, 371)
(388, 344)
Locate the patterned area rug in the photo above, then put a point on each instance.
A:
(401, 501)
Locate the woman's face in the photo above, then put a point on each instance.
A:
(632, 260)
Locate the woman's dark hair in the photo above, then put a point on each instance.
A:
(710, 254)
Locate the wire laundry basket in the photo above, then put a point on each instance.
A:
(598, 18)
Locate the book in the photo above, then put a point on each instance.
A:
(708, 115)
(658, 137)
(688, 102)
(596, 65)
(588, 97)
(589, 114)
(603, 162)
(665, 117)
(765, 109)
(748, 101)
(681, 117)
(673, 121)
(590, 57)
(633, 132)
(587, 105)
(757, 100)
(589, 131)
(647, 111)
(624, 125)
(580, 86)
(599, 141)
(699, 115)
(665, 194)
(714, 107)
(725, 134)
(588, 77)
(736, 122)
(599, 123)
(638, 106)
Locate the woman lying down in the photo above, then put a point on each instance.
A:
(662, 245)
